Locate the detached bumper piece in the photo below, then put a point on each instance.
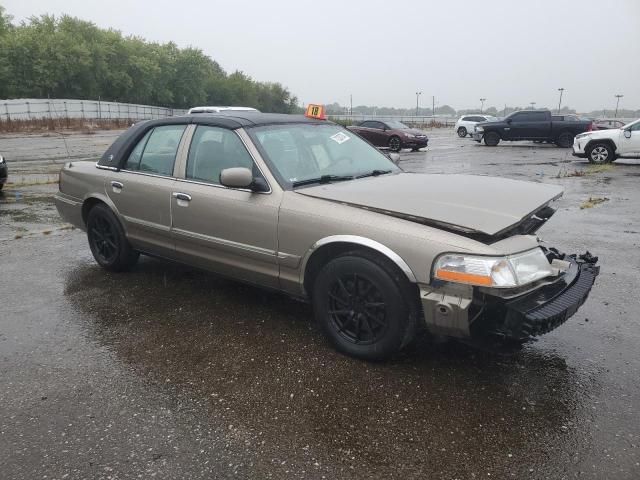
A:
(551, 305)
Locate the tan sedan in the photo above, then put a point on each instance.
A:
(306, 207)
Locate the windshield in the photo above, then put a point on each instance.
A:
(303, 152)
(396, 124)
(629, 124)
(491, 118)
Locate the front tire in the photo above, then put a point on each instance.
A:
(107, 240)
(395, 144)
(600, 153)
(462, 132)
(564, 140)
(491, 139)
(364, 306)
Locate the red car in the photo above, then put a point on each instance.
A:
(391, 134)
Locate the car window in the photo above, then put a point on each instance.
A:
(212, 150)
(467, 119)
(367, 124)
(635, 128)
(529, 117)
(156, 152)
(377, 125)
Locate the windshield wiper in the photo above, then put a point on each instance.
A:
(322, 179)
(374, 173)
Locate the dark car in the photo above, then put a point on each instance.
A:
(3, 172)
(536, 125)
(608, 124)
(391, 134)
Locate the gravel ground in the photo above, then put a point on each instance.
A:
(171, 372)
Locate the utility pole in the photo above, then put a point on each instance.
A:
(417, 101)
(505, 110)
(533, 105)
(618, 97)
(560, 102)
(482, 100)
(433, 107)
(351, 104)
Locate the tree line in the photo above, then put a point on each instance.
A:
(65, 57)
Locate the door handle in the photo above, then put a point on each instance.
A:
(182, 196)
(117, 186)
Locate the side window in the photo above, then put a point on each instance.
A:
(537, 116)
(378, 125)
(212, 150)
(635, 128)
(156, 152)
(467, 119)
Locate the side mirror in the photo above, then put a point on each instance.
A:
(237, 177)
(627, 134)
(394, 157)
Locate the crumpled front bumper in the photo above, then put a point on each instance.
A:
(477, 136)
(476, 313)
(545, 308)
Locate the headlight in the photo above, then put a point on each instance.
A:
(410, 135)
(1, 159)
(500, 272)
(479, 129)
(582, 135)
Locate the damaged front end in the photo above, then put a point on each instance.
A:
(486, 315)
(520, 316)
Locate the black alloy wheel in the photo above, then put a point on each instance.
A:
(491, 139)
(365, 305)
(395, 145)
(107, 240)
(565, 140)
(357, 309)
(462, 132)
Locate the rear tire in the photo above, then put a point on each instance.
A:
(395, 144)
(462, 132)
(491, 139)
(600, 153)
(564, 140)
(364, 306)
(107, 240)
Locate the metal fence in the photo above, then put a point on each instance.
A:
(25, 109)
(439, 120)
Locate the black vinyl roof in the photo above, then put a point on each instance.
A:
(120, 148)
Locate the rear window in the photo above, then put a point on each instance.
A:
(156, 152)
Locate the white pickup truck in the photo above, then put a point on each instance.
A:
(604, 146)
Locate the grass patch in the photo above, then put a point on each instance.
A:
(591, 169)
(592, 202)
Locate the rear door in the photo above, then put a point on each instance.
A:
(379, 135)
(231, 231)
(525, 125)
(366, 130)
(141, 190)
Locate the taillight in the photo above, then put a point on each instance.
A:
(590, 127)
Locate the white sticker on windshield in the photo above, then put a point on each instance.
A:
(340, 138)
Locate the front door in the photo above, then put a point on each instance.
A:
(141, 190)
(230, 231)
(630, 146)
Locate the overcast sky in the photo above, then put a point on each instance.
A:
(382, 52)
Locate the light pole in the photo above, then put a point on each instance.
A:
(417, 101)
(560, 102)
(482, 100)
(533, 105)
(618, 97)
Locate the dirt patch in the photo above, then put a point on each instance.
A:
(592, 202)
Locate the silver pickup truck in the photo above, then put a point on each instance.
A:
(306, 207)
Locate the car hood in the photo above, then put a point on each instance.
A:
(464, 203)
(596, 134)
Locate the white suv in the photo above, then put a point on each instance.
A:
(604, 146)
(465, 124)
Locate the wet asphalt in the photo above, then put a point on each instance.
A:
(170, 372)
